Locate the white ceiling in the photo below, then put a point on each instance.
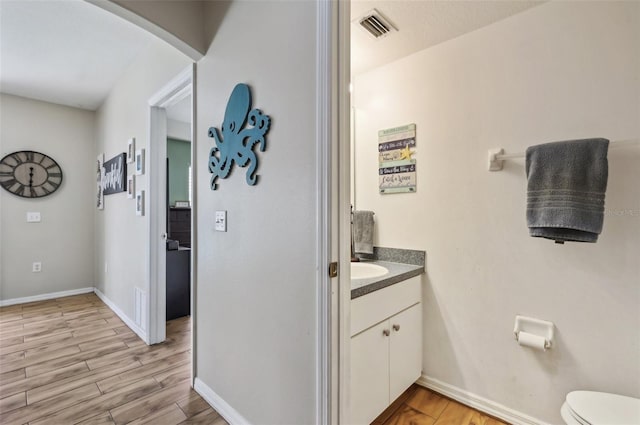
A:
(421, 24)
(71, 52)
(68, 52)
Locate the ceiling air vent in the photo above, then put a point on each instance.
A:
(376, 24)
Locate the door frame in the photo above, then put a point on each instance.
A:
(343, 153)
(327, 364)
(334, 221)
(343, 148)
(173, 92)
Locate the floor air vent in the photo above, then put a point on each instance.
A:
(140, 308)
(376, 24)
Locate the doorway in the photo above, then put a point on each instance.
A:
(178, 207)
(172, 236)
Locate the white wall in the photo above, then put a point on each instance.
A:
(63, 240)
(256, 302)
(179, 130)
(121, 236)
(559, 71)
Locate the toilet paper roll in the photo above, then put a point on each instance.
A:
(530, 340)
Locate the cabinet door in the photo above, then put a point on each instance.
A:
(405, 350)
(369, 374)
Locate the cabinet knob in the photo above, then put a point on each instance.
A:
(385, 332)
(396, 328)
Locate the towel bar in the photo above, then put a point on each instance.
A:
(496, 156)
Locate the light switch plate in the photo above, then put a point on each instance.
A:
(221, 221)
(33, 217)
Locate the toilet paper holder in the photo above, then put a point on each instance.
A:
(534, 326)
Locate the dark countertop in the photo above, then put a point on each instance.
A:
(397, 273)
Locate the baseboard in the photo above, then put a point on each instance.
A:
(479, 403)
(226, 411)
(44, 297)
(126, 319)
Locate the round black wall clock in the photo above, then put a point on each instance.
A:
(30, 174)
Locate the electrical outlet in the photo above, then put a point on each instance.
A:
(221, 221)
(36, 267)
(33, 217)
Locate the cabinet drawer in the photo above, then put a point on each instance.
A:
(377, 306)
(180, 226)
(180, 236)
(180, 215)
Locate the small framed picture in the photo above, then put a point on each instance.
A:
(140, 161)
(140, 202)
(131, 150)
(100, 181)
(131, 186)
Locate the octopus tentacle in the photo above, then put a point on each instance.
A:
(251, 175)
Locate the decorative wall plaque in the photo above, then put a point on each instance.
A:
(236, 143)
(115, 175)
(99, 179)
(396, 168)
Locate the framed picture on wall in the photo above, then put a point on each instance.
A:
(99, 179)
(131, 186)
(139, 161)
(140, 202)
(115, 174)
(131, 150)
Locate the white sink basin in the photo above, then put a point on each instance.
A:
(367, 271)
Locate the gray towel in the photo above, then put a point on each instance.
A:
(363, 232)
(565, 191)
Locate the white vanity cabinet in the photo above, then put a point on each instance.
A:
(386, 347)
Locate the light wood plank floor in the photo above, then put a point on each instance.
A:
(420, 406)
(73, 361)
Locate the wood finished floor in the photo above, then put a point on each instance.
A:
(420, 406)
(73, 361)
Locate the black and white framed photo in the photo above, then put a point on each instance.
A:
(140, 161)
(140, 202)
(131, 186)
(115, 174)
(131, 150)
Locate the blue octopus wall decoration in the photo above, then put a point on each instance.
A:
(237, 142)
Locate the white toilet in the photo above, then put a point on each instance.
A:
(594, 408)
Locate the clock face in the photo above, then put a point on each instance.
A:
(30, 174)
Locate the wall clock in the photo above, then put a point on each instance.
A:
(30, 174)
